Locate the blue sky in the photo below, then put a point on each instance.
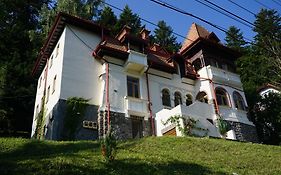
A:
(181, 23)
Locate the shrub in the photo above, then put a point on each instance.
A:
(108, 146)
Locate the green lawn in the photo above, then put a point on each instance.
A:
(163, 155)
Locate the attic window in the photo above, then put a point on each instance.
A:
(197, 64)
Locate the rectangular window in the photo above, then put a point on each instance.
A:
(45, 73)
(57, 49)
(48, 94)
(54, 84)
(51, 61)
(40, 81)
(37, 110)
(133, 88)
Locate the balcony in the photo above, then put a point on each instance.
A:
(136, 62)
(234, 115)
(221, 76)
(136, 106)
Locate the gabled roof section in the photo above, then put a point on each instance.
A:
(112, 47)
(268, 86)
(61, 21)
(196, 32)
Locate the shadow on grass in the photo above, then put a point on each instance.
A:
(137, 167)
(34, 151)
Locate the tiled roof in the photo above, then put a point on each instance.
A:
(196, 32)
(114, 44)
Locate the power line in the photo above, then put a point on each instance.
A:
(164, 4)
(169, 6)
(277, 2)
(224, 13)
(242, 7)
(227, 11)
(262, 4)
(147, 21)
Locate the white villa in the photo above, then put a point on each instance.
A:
(135, 85)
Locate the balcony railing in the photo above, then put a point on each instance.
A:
(136, 106)
(220, 75)
(235, 115)
(136, 62)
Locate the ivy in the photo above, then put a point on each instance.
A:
(75, 110)
(189, 124)
(40, 120)
(223, 126)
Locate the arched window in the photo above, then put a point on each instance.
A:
(222, 98)
(188, 100)
(166, 101)
(178, 99)
(238, 101)
(202, 97)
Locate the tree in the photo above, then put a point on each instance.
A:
(234, 38)
(17, 86)
(107, 18)
(268, 29)
(267, 118)
(86, 9)
(165, 38)
(127, 17)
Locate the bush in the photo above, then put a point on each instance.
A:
(108, 146)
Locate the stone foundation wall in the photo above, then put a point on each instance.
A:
(244, 132)
(54, 128)
(121, 125)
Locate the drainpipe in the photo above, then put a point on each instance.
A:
(149, 103)
(106, 87)
(107, 96)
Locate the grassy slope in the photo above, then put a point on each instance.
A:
(165, 155)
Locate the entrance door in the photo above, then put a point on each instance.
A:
(137, 127)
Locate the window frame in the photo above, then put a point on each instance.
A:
(135, 92)
(168, 95)
(54, 84)
(188, 96)
(222, 98)
(48, 94)
(239, 97)
(179, 100)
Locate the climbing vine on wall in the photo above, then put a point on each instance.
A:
(189, 124)
(75, 110)
(223, 127)
(40, 120)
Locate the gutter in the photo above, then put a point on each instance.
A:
(149, 102)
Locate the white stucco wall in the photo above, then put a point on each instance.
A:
(81, 71)
(54, 69)
(174, 84)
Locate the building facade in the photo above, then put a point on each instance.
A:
(135, 86)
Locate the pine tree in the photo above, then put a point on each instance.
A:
(127, 17)
(268, 29)
(165, 38)
(86, 9)
(234, 38)
(17, 57)
(107, 18)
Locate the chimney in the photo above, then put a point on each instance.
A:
(144, 34)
